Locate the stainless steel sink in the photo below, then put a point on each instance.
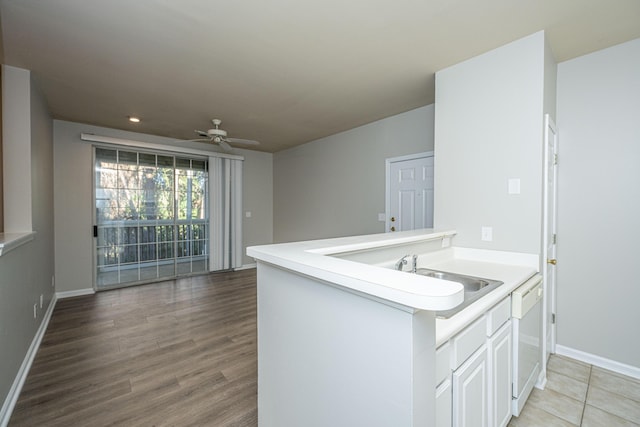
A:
(474, 288)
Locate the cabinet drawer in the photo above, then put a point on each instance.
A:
(498, 315)
(443, 362)
(466, 342)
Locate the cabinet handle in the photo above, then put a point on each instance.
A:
(552, 261)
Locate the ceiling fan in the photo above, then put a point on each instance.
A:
(219, 136)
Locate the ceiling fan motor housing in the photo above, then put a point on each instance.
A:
(217, 132)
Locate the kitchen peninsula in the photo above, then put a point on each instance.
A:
(346, 339)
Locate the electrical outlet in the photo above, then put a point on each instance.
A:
(35, 310)
(487, 234)
(41, 301)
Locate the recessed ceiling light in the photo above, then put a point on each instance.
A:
(134, 119)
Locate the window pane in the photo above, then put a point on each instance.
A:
(107, 236)
(165, 161)
(200, 165)
(151, 212)
(147, 252)
(106, 155)
(106, 178)
(128, 254)
(183, 163)
(147, 159)
(127, 158)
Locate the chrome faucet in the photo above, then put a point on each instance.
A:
(403, 261)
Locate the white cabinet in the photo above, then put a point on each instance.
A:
(466, 342)
(443, 390)
(473, 372)
(470, 391)
(500, 361)
(443, 403)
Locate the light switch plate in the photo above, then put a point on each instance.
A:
(514, 186)
(247, 214)
(382, 217)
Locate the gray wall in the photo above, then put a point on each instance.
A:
(73, 199)
(17, 149)
(599, 203)
(488, 129)
(335, 186)
(26, 272)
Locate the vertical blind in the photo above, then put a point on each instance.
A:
(225, 176)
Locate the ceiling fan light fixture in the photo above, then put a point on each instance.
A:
(219, 136)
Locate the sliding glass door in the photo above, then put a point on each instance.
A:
(151, 216)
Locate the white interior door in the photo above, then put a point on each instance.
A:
(550, 236)
(409, 192)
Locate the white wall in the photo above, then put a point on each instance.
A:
(335, 186)
(488, 128)
(73, 199)
(599, 203)
(26, 271)
(257, 198)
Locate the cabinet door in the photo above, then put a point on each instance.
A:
(500, 364)
(470, 391)
(443, 404)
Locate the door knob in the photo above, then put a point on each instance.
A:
(552, 261)
(393, 219)
(393, 229)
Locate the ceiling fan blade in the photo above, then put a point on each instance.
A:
(195, 140)
(224, 145)
(243, 141)
(202, 133)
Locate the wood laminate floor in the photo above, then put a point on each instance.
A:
(183, 352)
(176, 353)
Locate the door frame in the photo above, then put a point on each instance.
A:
(387, 195)
(550, 202)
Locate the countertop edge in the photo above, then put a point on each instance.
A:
(313, 259)
(11, 241)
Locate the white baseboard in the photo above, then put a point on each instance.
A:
(600, 362)
(246, 267)
(76, 293)
(542, 380)
(16, 387)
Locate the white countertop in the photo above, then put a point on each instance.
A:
(513, 275)
(313, 258)
(414, 292)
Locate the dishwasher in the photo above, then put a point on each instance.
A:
(526, 311)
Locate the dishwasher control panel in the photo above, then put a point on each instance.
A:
(526, 296)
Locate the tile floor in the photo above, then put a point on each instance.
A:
(578, 394)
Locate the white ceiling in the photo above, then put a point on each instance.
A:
(283, 72)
